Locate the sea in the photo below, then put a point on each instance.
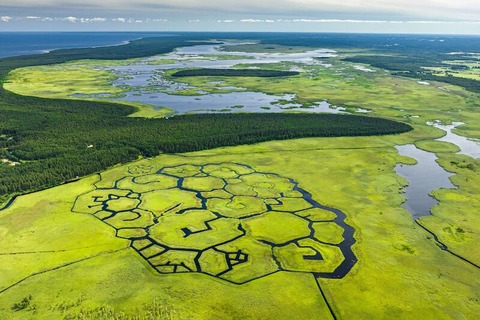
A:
(24, 43)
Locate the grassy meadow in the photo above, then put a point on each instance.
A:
(65, 256)
(73, 265)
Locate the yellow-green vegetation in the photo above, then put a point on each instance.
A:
(394, 97)
(397, 98)
(160, 61)
(83, 79)
(226, 234)
(340, 84)
(328, 232)
(86, 268)
(203, 183)
(176, 233)
(64, 81)
(437, 146)
(293, 256)
(277, 227)
(149, 111)
(469, 69)
(455, 221)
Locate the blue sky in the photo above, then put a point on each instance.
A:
(404, 16)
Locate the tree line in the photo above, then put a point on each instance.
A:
(234, 73)
(57, 140)
(412, 67)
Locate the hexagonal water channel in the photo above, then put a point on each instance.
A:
(225, 220)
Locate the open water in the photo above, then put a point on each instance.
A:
(24, 43)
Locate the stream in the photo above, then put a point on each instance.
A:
(427, 175)
(470, 147)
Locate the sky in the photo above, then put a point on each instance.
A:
(376, 16)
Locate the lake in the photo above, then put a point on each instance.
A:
(147, 85)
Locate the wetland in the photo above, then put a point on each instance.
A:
(233, 213)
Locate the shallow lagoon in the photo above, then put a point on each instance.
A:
(423, 177)
(226, 102)
(427, 175)
(146, 84)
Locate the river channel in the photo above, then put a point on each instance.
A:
(427, 175)
(424, 177)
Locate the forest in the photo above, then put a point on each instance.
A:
(234, 73)
(67, 139)
(412, 67)
(57, 140)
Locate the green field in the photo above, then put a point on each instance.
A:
(458, 68)
(116, 243)
(301, 227)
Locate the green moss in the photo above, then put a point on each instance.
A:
(237, 206)
(369, 187)
(147, 183)
(131, 219)
(161, 201)
(171, 230)
(277, 227)
(316, 214)
(59, 81)
(437, 146)
(203, 183)
(77, 80)
(292, 256)
(328, 232)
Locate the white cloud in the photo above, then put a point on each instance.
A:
(338, 21)
(70, 19)
(98, 19)
(354, 9)
(258, 20)
(91, 20)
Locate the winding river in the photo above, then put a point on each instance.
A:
(427, 175)
(470, 147)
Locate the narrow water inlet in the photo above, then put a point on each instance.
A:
(423, 177)
(427, 175)
(470, 147)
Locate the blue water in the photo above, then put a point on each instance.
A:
(23, 43)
